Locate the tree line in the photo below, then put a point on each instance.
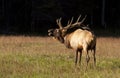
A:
(37, 16)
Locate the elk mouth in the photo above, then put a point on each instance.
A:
(50, 32)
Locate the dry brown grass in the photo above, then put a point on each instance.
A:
(44, 57)
(108, 47)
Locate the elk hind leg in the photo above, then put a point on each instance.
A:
(94, 52)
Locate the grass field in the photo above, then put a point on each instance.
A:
(43, 57)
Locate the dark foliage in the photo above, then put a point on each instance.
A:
(37, 16)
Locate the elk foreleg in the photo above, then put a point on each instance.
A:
(76, 59)
(80, 57)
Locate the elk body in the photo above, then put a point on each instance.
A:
(76, 36)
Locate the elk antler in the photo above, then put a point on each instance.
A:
(69, 24)
(58, 21)
(78, 23)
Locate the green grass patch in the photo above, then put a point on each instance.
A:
(56, 66)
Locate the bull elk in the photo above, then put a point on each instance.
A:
(76, 36)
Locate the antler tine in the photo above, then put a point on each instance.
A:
(83, 19)
(69, 23)
(78, 18)
(58, 21)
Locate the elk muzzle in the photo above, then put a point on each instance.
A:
(50, 32)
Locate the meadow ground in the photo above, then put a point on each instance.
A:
(43, 57)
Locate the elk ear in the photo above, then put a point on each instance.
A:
(64, 30)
